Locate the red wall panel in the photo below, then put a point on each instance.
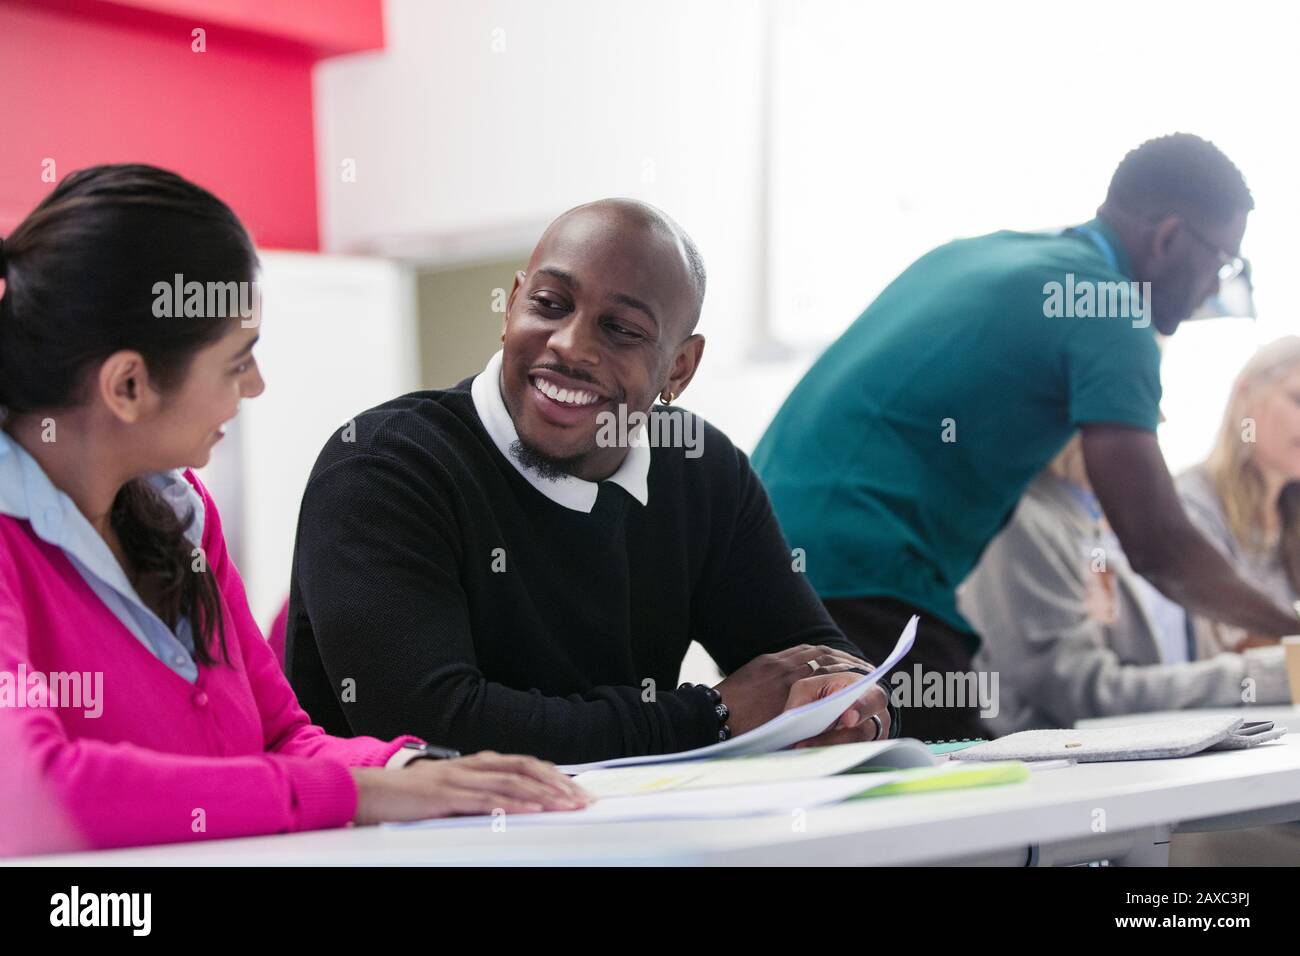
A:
(100, 81)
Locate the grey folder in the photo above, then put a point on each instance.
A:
(1149, 741)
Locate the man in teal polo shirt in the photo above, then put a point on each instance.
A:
(907, 445)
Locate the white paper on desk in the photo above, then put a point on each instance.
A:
(712, 803)
(785, 765)
(783, 730)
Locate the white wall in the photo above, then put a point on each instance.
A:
(482, 121)
(898, 127)
(337, 336)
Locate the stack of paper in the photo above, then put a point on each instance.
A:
(755, 774)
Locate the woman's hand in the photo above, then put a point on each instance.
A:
(477, 784)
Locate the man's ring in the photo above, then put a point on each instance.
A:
(880, 728)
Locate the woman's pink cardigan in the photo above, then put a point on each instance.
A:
(166, 761)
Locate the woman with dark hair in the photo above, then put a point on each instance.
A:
(135, 683)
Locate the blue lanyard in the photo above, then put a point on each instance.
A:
(1100, 242)
(1085, 498)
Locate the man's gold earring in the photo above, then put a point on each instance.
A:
(667, 397)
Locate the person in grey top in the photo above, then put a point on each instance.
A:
(1265, 567)
(1068, 626)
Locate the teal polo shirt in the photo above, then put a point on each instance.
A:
(907, 445)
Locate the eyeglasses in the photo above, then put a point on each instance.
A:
(1230, 266)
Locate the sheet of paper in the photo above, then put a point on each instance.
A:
(708, 803)
(783, 730)
(763, 768)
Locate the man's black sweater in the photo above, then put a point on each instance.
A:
(436, 592)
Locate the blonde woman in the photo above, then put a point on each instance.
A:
(1246, 496)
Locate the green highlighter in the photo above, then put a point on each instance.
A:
(928, 779)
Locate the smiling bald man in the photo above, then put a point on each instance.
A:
(482, 566)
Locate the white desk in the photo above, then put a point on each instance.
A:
(1049, 819)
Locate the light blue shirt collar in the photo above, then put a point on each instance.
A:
(569, 491)
(26, 493)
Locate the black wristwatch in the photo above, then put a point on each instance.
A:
(410, 752)
(719, 708)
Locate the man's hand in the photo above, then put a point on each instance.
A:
(760, 690)
(855, 724)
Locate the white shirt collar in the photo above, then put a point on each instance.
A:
(26, 493)
(569, 491)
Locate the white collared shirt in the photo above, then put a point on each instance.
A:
(568, 490)
(26, 492)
